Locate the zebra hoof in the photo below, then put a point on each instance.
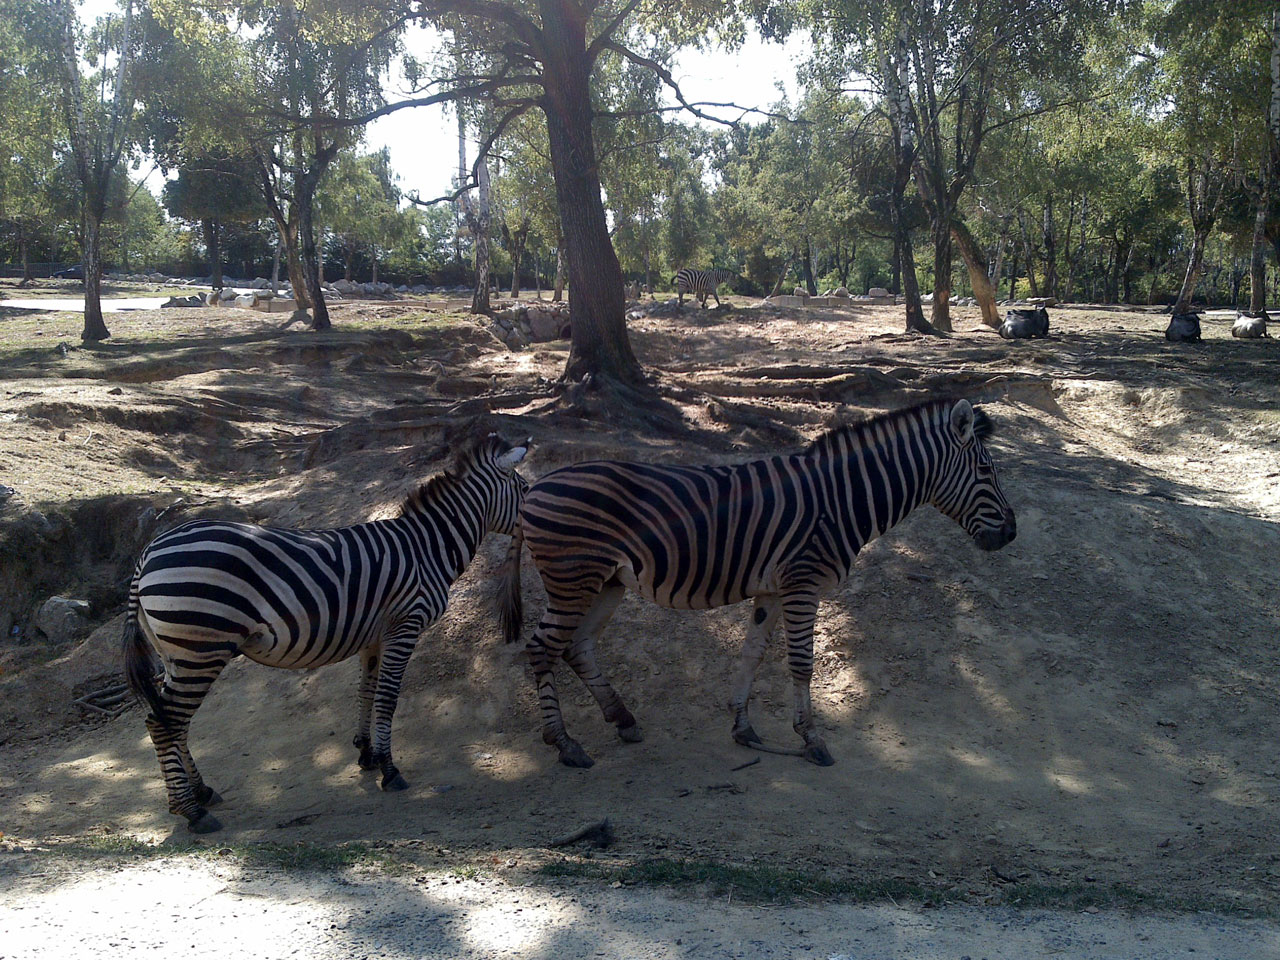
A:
(206, 822)
(631, 734)
(366, 761)
(572, 755)
(394, 783)
(817, 753)
(746, 736)
(209, 797)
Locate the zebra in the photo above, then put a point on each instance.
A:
(783, 531)
(208, 591)
(701, 283)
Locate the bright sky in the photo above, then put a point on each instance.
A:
(424, 141)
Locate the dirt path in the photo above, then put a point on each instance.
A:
(198, 909)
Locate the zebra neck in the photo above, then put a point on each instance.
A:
(449, 527)
(876, 483)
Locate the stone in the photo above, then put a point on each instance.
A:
(226, 295)
(544, 326)
(842, 292)
(878, 292)
(799, 292)
(62, 619)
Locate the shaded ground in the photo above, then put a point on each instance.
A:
(1094, 705)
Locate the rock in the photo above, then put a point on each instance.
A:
(842, 292)
(799, 292)
(878, 292)
(183, 302)
(544, 326)
(226, 295)
(1043, 301)
(62, 619)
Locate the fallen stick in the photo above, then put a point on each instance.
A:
(743, 766)
(600, 833)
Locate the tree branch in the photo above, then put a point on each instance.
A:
(597, 46)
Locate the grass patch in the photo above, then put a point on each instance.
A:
(752, 884)
(289, 857)
(762, 884)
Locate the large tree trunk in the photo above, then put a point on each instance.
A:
(1257, 260)
(95, 328)
(305, 198)
(215, 254)
(1195, 265)
(782, 277)
(809, 283)
(941, 313)
(557, 293)
(597, 309)
(1050, 250)
(978, 277)
(478, 218)
(1028, 255)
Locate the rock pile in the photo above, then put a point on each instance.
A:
(521, 324)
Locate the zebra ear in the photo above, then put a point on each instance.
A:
(508, 460)
(962, 421)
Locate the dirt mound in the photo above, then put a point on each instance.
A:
(1095, 703)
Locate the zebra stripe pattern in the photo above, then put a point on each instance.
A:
(209, 591)
(783, 530)
(701, 283)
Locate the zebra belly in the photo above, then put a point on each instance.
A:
(695, 600)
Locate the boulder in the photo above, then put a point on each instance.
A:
(799, 292)
(878, 292)
(544, 326)
(183, 302)
(62, 619)
(226, 295)
(842, 292)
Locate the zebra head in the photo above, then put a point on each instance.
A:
(496, 462)
(968, 490)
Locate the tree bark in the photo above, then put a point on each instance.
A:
(597, 309)
(809, 283)
(210, 227)
(1028, 255)
(557, 293)
(941, 313)
(95, 328)
(304, 197)
(782, 277)
(1050, 250)
(1257, 261)
(978, 277)
(478, 218)
(27, 276)
(1195, 266)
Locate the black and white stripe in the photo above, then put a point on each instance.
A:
(209, 591)
(701, 283)
(784, 531)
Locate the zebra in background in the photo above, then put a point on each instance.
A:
(784, 531)
(701, 283)
(208, 591)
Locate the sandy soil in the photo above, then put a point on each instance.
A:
(1095, 704)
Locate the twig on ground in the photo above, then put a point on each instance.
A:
(600, 833)
(743, 766)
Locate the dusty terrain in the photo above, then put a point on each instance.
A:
(1094, 705)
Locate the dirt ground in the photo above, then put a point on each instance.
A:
(1094, 704)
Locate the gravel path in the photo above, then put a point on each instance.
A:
(197, 909)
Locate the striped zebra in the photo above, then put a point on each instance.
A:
(208, 591)
(784, 531)
(701, 283)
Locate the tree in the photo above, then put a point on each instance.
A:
(213, 191)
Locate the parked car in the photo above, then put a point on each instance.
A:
(75, 272)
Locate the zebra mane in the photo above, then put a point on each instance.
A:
(426, 492)
(982, 425)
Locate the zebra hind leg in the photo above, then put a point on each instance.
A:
(545, 647)
(395, 656)
(582, 658)
(181, 694)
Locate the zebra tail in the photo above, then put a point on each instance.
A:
(510, 599)
(139, 671)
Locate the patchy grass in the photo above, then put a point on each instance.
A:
(287, 857)
(760, 884)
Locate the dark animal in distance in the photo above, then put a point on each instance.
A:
(783, 531)
(1025, 324)
(209, 591)
(1183, 328)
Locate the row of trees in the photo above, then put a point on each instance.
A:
(1089, 146)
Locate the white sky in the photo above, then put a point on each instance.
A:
(423, 141)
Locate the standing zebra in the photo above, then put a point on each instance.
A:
(701, 283)
(208, 591)
(783, 531)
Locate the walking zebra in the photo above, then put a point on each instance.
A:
(208, 591)
(784, 531)
(701, 283)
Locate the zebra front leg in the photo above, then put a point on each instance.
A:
(364, 706)
(763, 617)
(799, 617)
(395, 656)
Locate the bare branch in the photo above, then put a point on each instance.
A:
(602, 39)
